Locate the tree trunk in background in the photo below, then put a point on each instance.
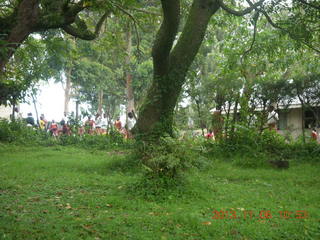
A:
(77, 110)
(13, 117)
(200, 117)
(67, 91)
(35, 108)
(303, 109)
(100, 102)
(244, 100)
(303, 122)
(128, 75)
(235, 117)
(264, 117)
(171, 65)
(227, 122)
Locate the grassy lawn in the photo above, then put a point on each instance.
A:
(71, 193)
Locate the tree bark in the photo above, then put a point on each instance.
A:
(77, 110)
(170, 67)
(26, 15)
(35, 107)
(303, 109)
(67, 91)
(128, 75)
(100, 102)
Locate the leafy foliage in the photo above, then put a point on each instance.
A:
(169, 158)
(17, 132)
(248, 148)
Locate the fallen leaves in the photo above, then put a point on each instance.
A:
(88, 228)
(34, 199)
(206, 223)
(68, 206)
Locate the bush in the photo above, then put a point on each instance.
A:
(17, 132)
(170, 157)
(248, 148)
(300, 150)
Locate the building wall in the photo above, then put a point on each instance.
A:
(5, 112)
(294, 123)
(295, 118)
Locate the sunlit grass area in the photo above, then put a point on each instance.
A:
(71, 193)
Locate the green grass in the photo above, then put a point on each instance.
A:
(71, 193)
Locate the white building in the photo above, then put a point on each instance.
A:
(293, 119)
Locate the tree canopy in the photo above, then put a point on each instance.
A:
(215, 52)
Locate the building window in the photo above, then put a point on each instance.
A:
(283, 120)
(310, 117)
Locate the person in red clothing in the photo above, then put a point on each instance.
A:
(89, 126)
(209, 135)
(54, 128)
(118, 125)
(314, 134)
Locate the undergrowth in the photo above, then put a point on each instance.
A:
(18, 133)
(249, 148)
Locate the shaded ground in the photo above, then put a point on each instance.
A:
(69, 193)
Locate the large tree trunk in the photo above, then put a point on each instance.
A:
(170, 67)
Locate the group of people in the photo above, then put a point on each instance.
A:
(126, 130)
(53, 127)
(97, 125)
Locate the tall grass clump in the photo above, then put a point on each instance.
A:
(164, 166)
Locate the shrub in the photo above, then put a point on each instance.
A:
(248, 148)
(18, 132)
(169, 157)
(300, 150)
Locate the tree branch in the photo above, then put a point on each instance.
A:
(273, 24)
(309, 4)
(82, 31)
(166, 36)
(145, 11)
(255, 19)
(134, 23)
(240, 13)
(193, 34)
(76, 8)
(100, 22)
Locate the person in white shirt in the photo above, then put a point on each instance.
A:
(98, 124)
(104, 124)
(131, 122)
(273, 118)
